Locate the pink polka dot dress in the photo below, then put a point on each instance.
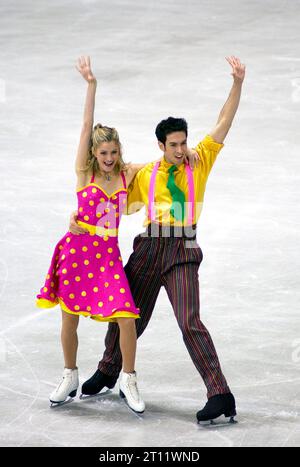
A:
(86, 275)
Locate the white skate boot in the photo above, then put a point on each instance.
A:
(129, 391)
(68, 387)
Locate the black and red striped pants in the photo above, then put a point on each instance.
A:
(172, 262)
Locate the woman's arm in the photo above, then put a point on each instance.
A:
(132, 170)
(84, 68)
(135, 168)
(191, 158)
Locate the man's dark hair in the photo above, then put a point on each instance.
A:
(170, 125)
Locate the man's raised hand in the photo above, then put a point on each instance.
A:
(238, 68)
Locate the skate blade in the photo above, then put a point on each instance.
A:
(94, 396)
(60, 404)
(218, 422)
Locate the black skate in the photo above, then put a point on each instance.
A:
(222, 404)
(96, 383)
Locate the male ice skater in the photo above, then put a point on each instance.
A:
(167, 253)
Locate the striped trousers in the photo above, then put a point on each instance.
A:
(168, 262)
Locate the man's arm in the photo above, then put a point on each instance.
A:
(75, 228)
(229, 110)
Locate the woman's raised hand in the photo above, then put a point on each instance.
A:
(84, 68)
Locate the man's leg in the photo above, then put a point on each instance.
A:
(143, 274)
(182, 286)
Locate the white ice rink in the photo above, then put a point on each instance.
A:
(154, 59)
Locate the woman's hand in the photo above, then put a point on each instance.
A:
(192, 158)
(84, 68)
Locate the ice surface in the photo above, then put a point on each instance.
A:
(154, 59)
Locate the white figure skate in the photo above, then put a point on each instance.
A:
(66, 388)
(129, 391)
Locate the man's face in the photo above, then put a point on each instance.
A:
(175, 147)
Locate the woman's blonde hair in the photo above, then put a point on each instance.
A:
(103, 134)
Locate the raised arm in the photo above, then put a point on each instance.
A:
(228, 112)
(84, 68)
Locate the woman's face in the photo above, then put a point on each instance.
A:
(107, 155)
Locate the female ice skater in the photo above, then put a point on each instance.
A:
(86, 275)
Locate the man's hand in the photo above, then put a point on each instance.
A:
(74, 228)
(238, 69)
(192, 158)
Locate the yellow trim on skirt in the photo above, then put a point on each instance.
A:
(44, 303)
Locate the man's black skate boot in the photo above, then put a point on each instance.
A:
(97, 382)
(222, 404)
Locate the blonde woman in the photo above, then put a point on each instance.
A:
(86, 275)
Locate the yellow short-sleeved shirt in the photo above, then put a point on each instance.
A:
(138, 192)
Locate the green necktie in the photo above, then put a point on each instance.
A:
(178, 197)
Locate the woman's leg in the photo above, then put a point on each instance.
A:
(69, 339)
(70, 382)
(128, 381)
(127, 343)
